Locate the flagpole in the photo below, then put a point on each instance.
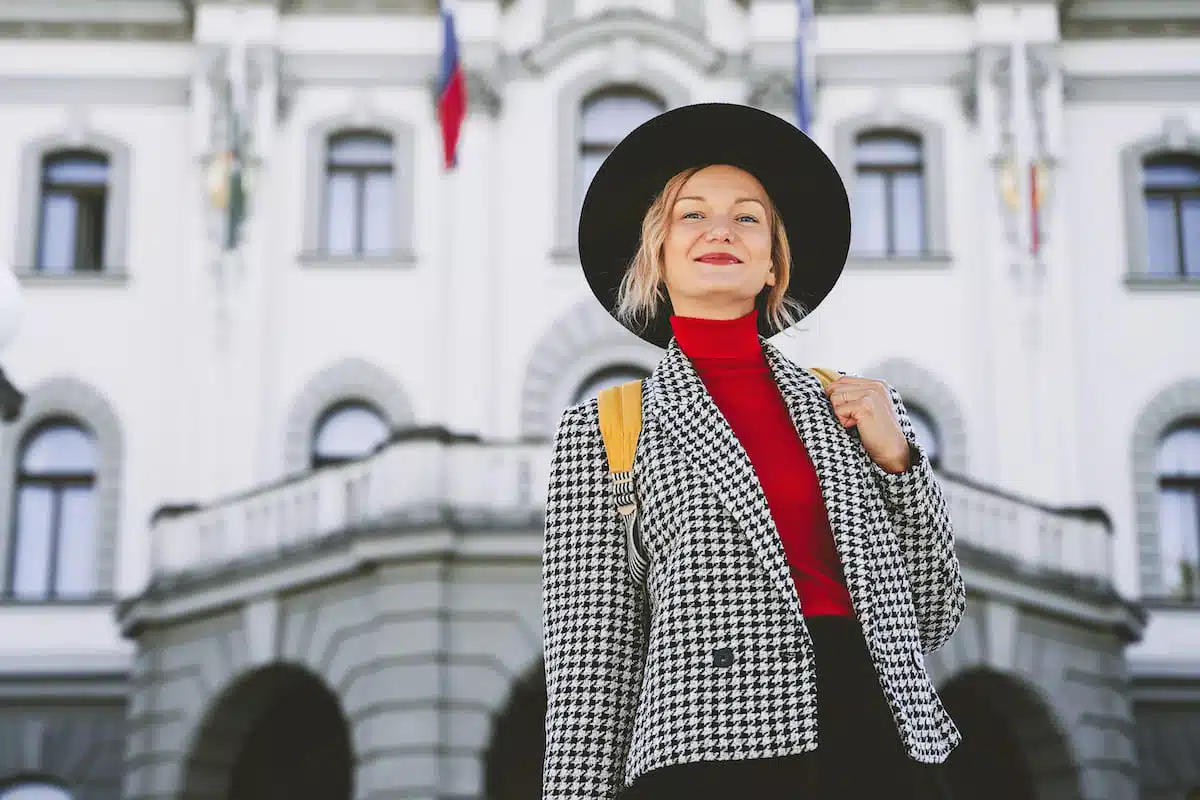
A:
(1023, 145)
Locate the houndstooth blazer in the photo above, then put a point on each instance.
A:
(713, 660)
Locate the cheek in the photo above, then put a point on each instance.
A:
(759, 245)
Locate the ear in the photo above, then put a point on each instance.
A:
(771, 276)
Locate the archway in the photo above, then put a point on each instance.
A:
(1013, 747)
(513, 762)
(277, 733)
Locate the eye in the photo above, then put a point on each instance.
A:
(749, 217)
(691, 214)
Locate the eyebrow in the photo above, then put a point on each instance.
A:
(739, 200)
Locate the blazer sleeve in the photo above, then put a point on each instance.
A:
(595, 642)
(922, 520)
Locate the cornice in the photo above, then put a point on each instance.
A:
(113, 20)
(563, 41)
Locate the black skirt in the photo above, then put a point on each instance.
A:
(859, 753)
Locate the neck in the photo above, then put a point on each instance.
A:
(731, 339)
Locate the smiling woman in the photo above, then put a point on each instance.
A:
(712, 239)
(799, 558)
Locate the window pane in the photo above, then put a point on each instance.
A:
(60, 450)
(1172, 173)
(1179, 453)
(607, 118)
(1162, 240)
(89, 240)
(57, 254)
(605, 378)
(870, 220)
(888, 150)
(908, 213)
(1191, 235)
(77, 170)
(34, 791)
(589, 163)
(341, 216)
(31, 551)
(361, 150)
(349, 432)
(1179, 541)
(76, 573)
(377, 212)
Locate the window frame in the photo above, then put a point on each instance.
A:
(1175, 138)
(57, 484)
(60, 398)
(1176, 196)
(320, 134)
(571, 97)
(931, 134)
(316, 461)
(889, 173)
(34, 155)
(1191, 483)
(360, 175)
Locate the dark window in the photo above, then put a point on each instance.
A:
(889, 195)
(346, 432)
(607, 116)
(54, 521)
(1173, 214)
(74, 197)
(1179, 509)
(358, 195)
(609, 376)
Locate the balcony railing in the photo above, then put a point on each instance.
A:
(510, 480)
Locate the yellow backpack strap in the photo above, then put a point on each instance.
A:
(825, 375)
(620, 425)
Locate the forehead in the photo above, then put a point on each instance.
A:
(723, 177)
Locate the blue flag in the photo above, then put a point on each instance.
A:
(803, 102)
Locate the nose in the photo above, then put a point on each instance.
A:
(719, 231)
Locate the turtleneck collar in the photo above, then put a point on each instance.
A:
(732, 339)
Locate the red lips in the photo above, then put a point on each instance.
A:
(719, 258)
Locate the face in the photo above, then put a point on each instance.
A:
(717, 254)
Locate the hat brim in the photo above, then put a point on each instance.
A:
(799, 178)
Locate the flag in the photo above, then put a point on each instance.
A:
(803, 101)
(1023, 132)
(452, 87)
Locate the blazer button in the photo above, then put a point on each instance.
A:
(722, 656)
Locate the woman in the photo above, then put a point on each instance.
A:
(801, 559)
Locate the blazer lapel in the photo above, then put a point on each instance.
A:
(841, 467)
(687, 413)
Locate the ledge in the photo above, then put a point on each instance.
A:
(399, 259)
(565, 256)
(1171, 283)
(932, 261)
(28, 277)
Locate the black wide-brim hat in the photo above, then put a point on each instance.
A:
(797, 175)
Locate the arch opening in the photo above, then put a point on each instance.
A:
(513, 762)
(277, 733)
(1013, 747)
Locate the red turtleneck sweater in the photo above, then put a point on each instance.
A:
(730, 361)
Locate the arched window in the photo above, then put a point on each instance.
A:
(889, 194)
(53, 552)
(74, 199)
(358, 194)
(609, 376)
(346, 432)
(606, 117)
(1179, 510)
(926, 431)
(34, 790)
(1172, 192)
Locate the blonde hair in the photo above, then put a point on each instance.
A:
(643, 287)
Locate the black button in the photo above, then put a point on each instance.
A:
(722, 656)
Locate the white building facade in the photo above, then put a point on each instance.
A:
(273, 515)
